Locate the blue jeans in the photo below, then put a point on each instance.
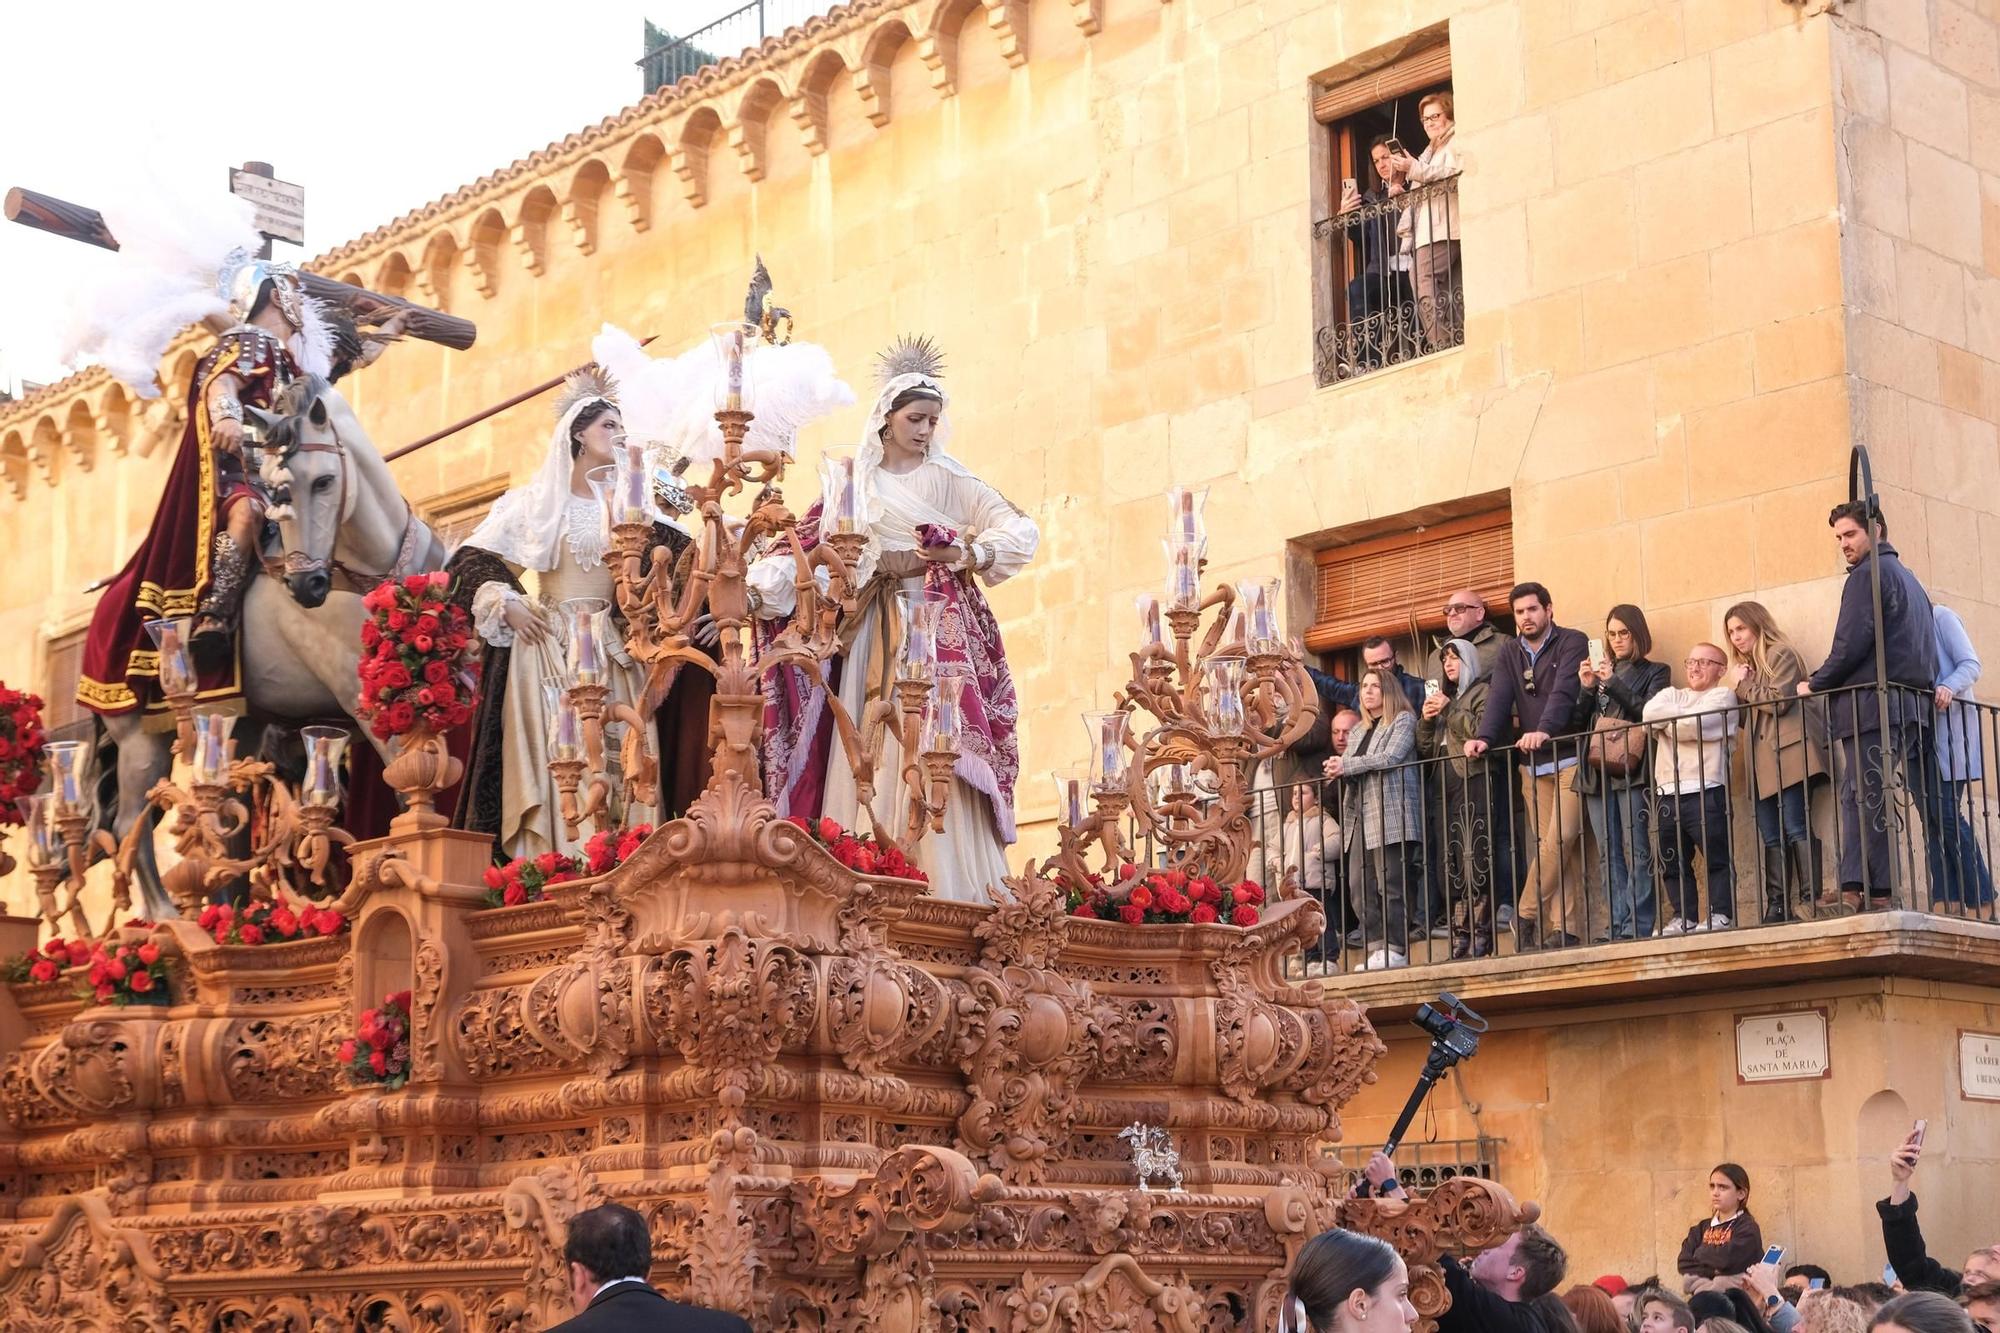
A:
(1620, 820)
(1959, 873)
(1781, 817)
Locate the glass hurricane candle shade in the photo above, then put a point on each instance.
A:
(843, 506)
(1151, 634)
(565, 728)
(1185, 526)
(176, 669)
(588, 622)
(1259, 600)
(211, 748)
(1072, 791)
(1107, 749)
(325, 747)
(921, 610)
(45, 844)
(734, 391)
(944, 722)
(1183, 575)
(1222, 678)
(65, 763)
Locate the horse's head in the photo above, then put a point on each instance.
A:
(305, 465)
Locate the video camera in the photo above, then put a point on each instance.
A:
(1455, 1031)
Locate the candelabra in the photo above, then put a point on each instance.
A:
(1217, 712)
(661, 614)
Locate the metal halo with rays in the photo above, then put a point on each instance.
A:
(583, 385)
(911, 354)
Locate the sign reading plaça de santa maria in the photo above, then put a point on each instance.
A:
(1780, 1048)
(1979, 1065)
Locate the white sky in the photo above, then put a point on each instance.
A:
(419, 98)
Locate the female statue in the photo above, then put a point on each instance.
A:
(932, 526)
(554, 529)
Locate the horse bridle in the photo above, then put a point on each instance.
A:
(298, 562)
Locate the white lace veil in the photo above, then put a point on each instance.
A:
(525, 527)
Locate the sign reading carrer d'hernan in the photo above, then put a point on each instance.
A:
(1781, 1048)
(1979, 1065)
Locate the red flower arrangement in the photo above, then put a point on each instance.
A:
(20, 750)
(419, 667)
(49, 962)
(860, 852)
(608, 849)
(526, 879)
(119, 973)
(379, 1050)
(1166, 897)
(264, 921)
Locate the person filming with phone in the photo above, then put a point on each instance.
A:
(1904, 1240)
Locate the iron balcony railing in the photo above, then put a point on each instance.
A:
(1440, 857)
(669, 59)
(1398, 289)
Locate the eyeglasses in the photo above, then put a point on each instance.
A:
(1694, 662)
(1453, 608)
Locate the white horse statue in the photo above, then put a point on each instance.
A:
(343, 527)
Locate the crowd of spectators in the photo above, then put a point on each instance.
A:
(1726, 1280)
(1563, 788)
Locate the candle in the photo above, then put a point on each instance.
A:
(840, 494)
(733, 342)
(45, 844)
(324, 748)
(1259, 599)
(564, 727)
(586, 618)
(947, 718)
(1224, 680)
(176, 671)
(1150, 633)
(1184, 521)
(1184, 577)
(630, 461)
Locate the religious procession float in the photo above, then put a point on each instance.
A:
(692, 895)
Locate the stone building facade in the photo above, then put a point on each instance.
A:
(1708, 245)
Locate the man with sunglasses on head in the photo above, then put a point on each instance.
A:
(1534, 697)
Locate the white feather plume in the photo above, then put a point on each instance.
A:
(172, 236)
(670, 401)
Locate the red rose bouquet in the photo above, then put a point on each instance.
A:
(379, 1050)
(20, 750)
(860, 852)
(608, 849)
(264, 921)
(419, 662)
(525, 879)
(1166, 897)
(120, 973)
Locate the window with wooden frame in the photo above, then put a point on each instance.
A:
(63, 718)
(1396, 584)
(1387, 284)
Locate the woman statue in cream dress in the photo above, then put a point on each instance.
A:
(552, 532)
(935, 527)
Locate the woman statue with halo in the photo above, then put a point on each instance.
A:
(554, 532)
(935, 532)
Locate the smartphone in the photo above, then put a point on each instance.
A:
(1596, 651)
(1774, 1255)
(1918, 1131)
(1348, 185)
(1432, 689)
(1816, 1284)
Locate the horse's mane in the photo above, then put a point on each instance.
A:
(291, 406)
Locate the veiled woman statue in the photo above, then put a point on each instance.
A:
(932, 526)
(553, 532)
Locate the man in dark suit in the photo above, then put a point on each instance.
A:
(610, 1252)
(1855, 712)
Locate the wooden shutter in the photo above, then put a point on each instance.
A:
(65, 663)
(1405, 74)
(1378, 586)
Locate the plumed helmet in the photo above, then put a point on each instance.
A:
(242, 278)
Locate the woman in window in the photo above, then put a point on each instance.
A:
(1787, 749)
(1434, 225)
(1388, 806)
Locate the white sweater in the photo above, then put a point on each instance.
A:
(1693, 752)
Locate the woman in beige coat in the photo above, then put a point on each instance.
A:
(1787, 754)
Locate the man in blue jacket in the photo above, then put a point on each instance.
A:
(1854, 716)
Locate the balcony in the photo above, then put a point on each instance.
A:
(1398, 292)
(669, 59)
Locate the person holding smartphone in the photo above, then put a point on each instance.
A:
(1728, 1241)
(1380, 300)
(1904, 1240)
